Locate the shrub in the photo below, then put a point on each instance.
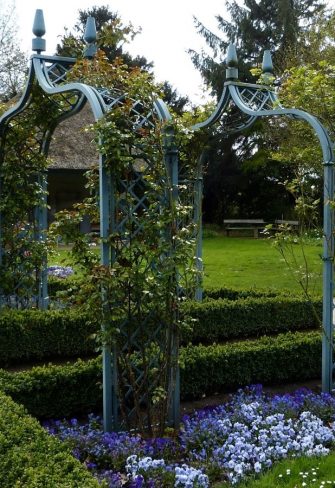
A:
(57, 391)
(268, 360)
(35, 334)
(31, 458)
(28, 335)
(222, 319)
(58, 285)
(236, 294)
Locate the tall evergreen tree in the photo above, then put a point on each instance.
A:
(256, 25)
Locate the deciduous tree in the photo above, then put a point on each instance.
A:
(13, 61)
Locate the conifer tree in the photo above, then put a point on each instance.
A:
(256, 25)
(113, 36)
(237, 163)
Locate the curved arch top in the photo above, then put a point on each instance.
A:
(254, 101)
(50, 72)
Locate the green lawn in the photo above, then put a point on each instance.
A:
(314, 472)
(255, 263)
(246, 263)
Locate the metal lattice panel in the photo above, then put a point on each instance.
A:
(32, 131)
(129, 207)
(256, 98)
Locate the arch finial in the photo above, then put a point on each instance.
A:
(90, 37)
(267, 65)
(232, 62)
(38, 44)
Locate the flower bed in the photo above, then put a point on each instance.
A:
(228, 443)
(60, 271)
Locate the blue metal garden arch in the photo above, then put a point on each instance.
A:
(47, 78)
(47, 81)
(240, 105)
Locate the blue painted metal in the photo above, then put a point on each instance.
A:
(90, 37)
(46, 73)
(231, 62)
(42, 225)
(249, 102)
(48, 76)
(171, 161)
(38, 44)
(109, 392)
(267, 65)
(198, 192)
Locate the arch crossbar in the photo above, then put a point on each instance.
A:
(240, 105)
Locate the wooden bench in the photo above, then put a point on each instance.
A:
(238, 225)
(290, 223)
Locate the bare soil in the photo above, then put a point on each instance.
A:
(215, 400)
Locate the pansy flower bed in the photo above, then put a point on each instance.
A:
(60, 271)
(227, 443)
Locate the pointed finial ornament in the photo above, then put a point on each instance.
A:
(232, 62)
(267, 67)
(90, 37)
(38, 44)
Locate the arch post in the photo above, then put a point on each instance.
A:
(328, 279)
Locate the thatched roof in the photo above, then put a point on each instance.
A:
(72, 147)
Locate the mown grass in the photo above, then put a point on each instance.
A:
(293, 473)
(247, 263)
(256, 263)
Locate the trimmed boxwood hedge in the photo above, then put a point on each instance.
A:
(59, 285)
(30, 335)
(27, 335)
(222, 319)
(267, 360)
(237, 293)
(57, 391)
(31, 458)
(54, 391)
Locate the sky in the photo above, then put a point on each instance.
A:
(168, 31)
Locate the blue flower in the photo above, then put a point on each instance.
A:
(243, 437)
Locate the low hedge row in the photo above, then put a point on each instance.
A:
(236, 293)
(29, 335)
(57, 285)
(35, 334)
(268, 360)
(54, 391)
(222, 319)
(31, 458)
(57, 391)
